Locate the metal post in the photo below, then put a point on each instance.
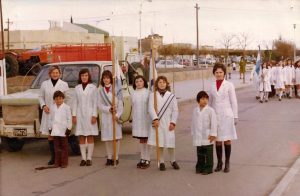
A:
(294, 25)
(140, 41)
(197, 30)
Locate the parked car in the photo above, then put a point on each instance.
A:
(21, 114)
(168, 64)
(185, 62)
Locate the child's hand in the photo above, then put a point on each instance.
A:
(113, 109)
(68, 132)
(74, 119)
(46, 109)
(155, 123)
(211, 138)
(171, 126)
(93, 120)
(116, 118)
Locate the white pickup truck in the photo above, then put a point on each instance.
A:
(21, 114)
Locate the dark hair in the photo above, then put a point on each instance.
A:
(296, 64)
(164, 78)
(219, 66)
(58, 94)
(138, 77)
(108, 74)
(267, 65)
(83, 71)
(201, 94)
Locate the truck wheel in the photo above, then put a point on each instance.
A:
(12, 144)
(12, 66)
(36, 69)
(74, 144)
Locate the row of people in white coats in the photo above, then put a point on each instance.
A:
(277, 78)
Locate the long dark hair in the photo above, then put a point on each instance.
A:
(139, 77)
(83, 71)
(108, 74)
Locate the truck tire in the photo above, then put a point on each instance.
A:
(12, 66)
(36, 69)
(12, 144)
(74, 145)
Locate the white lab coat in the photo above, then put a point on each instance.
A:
(272, 75)
(204, 124)
(280, 78)
(289, 74)
(140, 114)
(166, 138)
(84, 108)
(46, 98)
(60, 119)
(224, 102)
(106, 117)
(264, 80)
(254, 78)
(297, 76)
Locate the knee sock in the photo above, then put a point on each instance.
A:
(280, 94)
(90, 148)
(109, 149)
(161, 152)
(142, 151)
(291, 92)
(266, 95)
(118, 149)
(171, 154)
(147, 152)
(219, 151)
(83, 151)
(261, 96)
(227, 152)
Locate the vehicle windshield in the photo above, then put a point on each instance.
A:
(69, 74)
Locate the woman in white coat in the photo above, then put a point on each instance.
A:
(165, 119)
(223, 100)
(264, 82)
(105, 106)
(47, 90)
(289, 78)
(280, 79)
(84, 112)
(297, 77)
(141, 118)
(254, 78)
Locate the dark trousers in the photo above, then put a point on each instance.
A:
(205, 161)
(61, 151)
(273, 91)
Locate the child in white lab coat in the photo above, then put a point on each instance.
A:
(105, 105)
(165, 119)
(85, 115)
(280, 79)
(141, 118)
(60, 125)
(204, 132)
(297, 78)
(264, 82)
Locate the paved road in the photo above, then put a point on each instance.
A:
(267, 147)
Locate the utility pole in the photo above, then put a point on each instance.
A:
(2, 32)
(294, 25)
(8, 23)
(197, 30)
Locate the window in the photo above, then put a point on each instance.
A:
(69, 74)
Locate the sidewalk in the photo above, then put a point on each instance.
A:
(187, 90)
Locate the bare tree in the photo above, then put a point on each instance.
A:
(243, 41)
(227, 41)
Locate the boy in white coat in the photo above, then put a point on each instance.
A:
(204, 132)
(165, 119)
(60, 125)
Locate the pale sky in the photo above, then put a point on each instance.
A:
(263, 20)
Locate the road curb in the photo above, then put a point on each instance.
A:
(287, 179)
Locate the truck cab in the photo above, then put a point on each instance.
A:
(21, 114)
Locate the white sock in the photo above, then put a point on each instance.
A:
(291, 92)
(83, 151)
(172, 154)
(109, 149)
(161, 153)
(266, 95)
(280, 94)
(118, 149)
(142, 151)
(90, 151)
(147, 152)
(261, 96)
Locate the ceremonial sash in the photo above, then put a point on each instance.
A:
(107, 102)
(165, 106)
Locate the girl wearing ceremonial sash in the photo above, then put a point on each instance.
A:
(141, 118)
(85, 114)
(223, 100)
(165, 119)
(264, 82)
(47, 90)
(105, 105)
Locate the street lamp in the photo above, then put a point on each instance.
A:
(140, 13)
(294, 25)
(100, 21)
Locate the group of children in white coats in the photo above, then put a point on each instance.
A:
(279, 78)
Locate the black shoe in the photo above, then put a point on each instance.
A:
(206, 172)
(279, 99)
(175, 165)
(52, 152)
(51, 162)
(145, 165)
(140, 163)
(226, 169)
(266, 100)
(261, 101)
(89, 163)
(109, 162)
(162, 167)
(82, 163)
(257, 97)
(219, 167)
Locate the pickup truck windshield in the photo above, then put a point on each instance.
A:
(69, 74)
